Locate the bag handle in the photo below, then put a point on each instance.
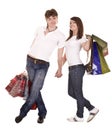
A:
(88, 65)
(89, 52)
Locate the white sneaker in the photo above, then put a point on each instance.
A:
(92, 114)
(75, 119)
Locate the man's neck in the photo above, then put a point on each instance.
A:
(50, 29)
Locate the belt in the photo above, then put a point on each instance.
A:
(37, 61)
(75, 66)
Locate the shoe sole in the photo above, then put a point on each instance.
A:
(94, 114)
(73, 120)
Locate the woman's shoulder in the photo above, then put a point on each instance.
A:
(83, 39)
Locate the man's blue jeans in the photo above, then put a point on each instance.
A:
(36, 73)
(75, 83)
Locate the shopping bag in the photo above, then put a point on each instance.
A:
(96, 66)
(17, 85)
(101, 43)
(99, 64)
(104, 65)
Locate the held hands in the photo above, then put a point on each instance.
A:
(58, 73)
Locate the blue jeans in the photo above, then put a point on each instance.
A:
(36, 73)
(75, 83)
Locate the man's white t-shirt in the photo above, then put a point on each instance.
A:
(44, 45)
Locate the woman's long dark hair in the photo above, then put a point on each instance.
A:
(80, 28)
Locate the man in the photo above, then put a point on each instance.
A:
(45, 41)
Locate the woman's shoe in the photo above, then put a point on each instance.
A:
(75, 119)
(92, 114)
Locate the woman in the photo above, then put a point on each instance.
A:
(73, 45)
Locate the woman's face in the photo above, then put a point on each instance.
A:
(73, 26)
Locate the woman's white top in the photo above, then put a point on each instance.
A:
(72, 49)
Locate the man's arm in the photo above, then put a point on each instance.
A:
(60, 63)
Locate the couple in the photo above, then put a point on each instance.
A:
(45, 41)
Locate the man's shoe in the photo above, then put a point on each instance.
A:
(18, 119)
(92, 114)
(40, 119)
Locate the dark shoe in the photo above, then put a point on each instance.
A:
(18, 119)
(40, 119)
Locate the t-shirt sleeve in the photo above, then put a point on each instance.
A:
(83, 40)
(36, 31)
(61, 42)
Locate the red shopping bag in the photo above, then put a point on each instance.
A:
(17, 85)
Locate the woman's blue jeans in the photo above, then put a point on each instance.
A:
(36, 73)
(75, 83)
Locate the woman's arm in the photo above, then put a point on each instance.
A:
(86, 45)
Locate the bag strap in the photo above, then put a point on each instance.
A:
(89, 53)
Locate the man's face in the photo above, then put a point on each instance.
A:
(52, 21)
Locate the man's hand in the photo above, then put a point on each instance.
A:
(58, 74)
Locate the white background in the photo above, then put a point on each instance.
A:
(18, 22)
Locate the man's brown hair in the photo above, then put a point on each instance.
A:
(51, 12)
